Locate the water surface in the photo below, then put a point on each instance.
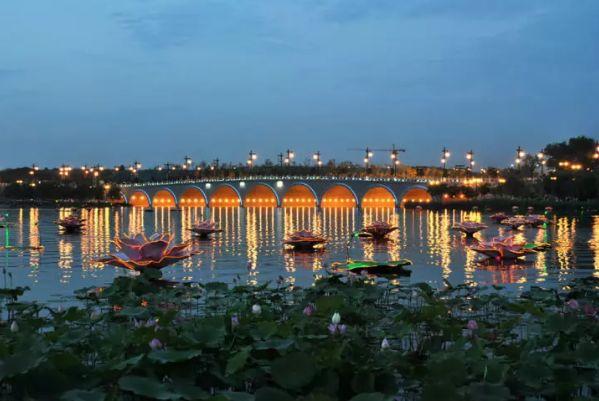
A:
(250, 247)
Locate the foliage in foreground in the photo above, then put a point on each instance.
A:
(337, 340)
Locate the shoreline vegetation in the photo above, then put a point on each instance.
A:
(344, 338)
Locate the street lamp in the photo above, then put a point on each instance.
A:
(444, 157)
(542, 161)
(316, 158)
(290, 156)
(520, 153)
(64, 171)
(470, 158)
(367, 156)
(252, 156)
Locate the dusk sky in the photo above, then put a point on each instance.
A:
(112, 81)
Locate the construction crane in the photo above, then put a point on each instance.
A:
(369, 153)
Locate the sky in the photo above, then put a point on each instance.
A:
(113, 81)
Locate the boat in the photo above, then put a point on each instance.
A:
(469, 227)
(204, 229)
(71, 223)
(377, 230)
(305, 240)
(392, 267)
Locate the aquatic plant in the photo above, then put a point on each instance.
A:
(133, 340)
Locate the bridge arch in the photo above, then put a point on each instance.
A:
(139, 198)
(300, 194)
(193, 196)
(164, 197)
(379, 196)
(225, 195)
(416, 194)
(339, 195)
(261, 195)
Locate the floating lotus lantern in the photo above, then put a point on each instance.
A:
(499, 217)
(204, 228)
(514, 222)
(535, 220)
(377, 230)
(71, 223)
(305, 240)
(503, 248)
(140, 253)
(469, 227)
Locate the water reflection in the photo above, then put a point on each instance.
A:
(250, 245)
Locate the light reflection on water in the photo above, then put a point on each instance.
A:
(250, 246)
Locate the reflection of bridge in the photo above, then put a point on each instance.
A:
(279, 191)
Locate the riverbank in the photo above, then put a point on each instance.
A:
(15, 203)
(507, 203)
(336, 340)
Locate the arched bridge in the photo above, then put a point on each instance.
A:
(279, 192)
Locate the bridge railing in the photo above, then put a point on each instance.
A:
(276, 178)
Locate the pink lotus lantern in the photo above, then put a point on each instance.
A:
(469, 227)
(499, 217)
(535, 220)
(140, 253)
(305, 240)
(502, 248)
(71, 223)
(377, 230)
(514, 222)
(203, 229)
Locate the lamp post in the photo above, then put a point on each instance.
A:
(317, 159)
(64, 171)
(542, 161)
(252, 156)
(520, 153)
(470, 158)
(395, 160)
(444, 157)
(367, 157)
(290, 157)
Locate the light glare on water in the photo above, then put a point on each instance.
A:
(250, 246)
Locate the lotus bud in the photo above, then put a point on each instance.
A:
(234, 321)
(336, 319)
(472, 325)
(256, 309)
(309, 310)
(385, 344)
(155, 343)
(573, 304)
(14, 327)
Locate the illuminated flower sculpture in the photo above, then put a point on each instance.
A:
(140, 253)
(377, 230)
(535, 220)
(71, 223)
(503, 248)
(499, 217)
(469, 227)
(305, 240)
(204, 228)
(514, 222)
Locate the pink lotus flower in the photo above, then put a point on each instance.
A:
(573, 304)
(502, 248)
(472, 325)
(139, 253)
(514, 222)
(469, 227)
(499, 217)
(535, 220)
